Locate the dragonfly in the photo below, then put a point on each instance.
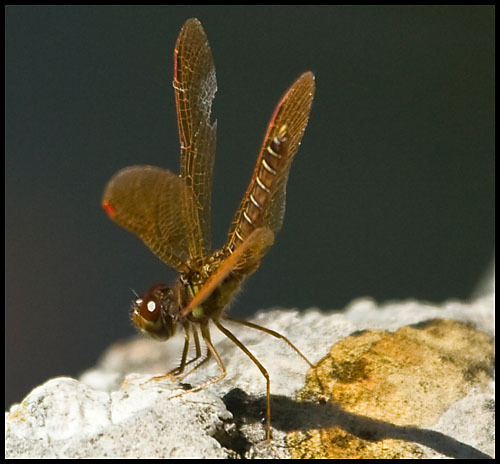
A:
(170, 213)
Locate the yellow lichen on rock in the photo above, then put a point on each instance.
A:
(408, 378)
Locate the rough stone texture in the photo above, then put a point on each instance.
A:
(66, 418)
(389, 386)
(112, 411)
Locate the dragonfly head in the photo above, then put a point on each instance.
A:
(155, 313)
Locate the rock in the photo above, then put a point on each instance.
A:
(438, 366)
(64, 418)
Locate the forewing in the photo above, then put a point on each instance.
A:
(146, 201)
(245, 260)
(263, 204)
(195, 86)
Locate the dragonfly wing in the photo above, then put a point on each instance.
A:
(146, 201)
(195, 86)
(263, 204)
(244, 260)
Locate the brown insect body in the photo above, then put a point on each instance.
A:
(171, 213)
(158, 312)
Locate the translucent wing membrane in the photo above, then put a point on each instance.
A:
(171, 213)
(244, 260)
(147, 201)
(263, 204)
(195, 86)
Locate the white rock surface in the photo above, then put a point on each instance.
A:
(101, 415)
(66, 418)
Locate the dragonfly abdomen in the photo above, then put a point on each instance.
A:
(262, 186)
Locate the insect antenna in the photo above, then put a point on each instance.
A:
(135, 293)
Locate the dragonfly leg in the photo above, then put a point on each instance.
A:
(270, 332)
(180, 368)
(196, 345)
(198, 355)
(205, 333)
(262, 369)
(176, 372)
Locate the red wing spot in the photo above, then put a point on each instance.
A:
(176, 57)
(108, 208)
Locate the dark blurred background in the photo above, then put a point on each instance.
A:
(391, 195)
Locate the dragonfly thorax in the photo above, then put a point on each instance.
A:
(170, 212)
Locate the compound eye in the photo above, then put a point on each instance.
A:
(149, 309)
